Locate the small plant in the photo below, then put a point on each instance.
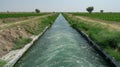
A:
(37, 10)
(2, 63)
(19, 43)
(90, 9)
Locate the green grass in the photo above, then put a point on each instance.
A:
(113, 53)
(103, 16)
(19, 43)
(2, 63)
(40, 25)
(33, 28)
(101, 35)
(17, 15)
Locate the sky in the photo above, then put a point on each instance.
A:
(59, 5)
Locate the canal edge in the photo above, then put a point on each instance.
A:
(102, 53)
(22, 51)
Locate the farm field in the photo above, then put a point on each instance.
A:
(106, 37)
(14, 17)
(104, 16)
(17, 15)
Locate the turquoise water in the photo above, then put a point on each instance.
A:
(61, 46)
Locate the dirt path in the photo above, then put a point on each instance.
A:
(3, 26)
(110, 25)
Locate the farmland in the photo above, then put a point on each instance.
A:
(107, 37)
(17, 15)
(104, 16)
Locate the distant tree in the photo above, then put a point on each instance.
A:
(53, 11)
(7, 11)
(37, 10)
(101, 11)
(90, 9)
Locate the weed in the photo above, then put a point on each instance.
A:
(2, 63)
(19, 43)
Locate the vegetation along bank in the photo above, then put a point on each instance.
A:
(107, 37)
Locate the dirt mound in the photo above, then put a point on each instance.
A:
(8, 36)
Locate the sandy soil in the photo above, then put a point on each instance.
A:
(7, 36)
(14, 55)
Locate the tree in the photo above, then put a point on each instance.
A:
(8, 11)
(90, 9)
(101, 11)
(37, 10)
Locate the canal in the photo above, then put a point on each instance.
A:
(61, 46)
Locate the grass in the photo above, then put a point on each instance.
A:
(101, 35)
(19, 43)
(113, 53)
(39, 25)
(2, 63)
(103, 16)
(34, 28)
(17, 15)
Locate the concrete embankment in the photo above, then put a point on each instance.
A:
(13, 56)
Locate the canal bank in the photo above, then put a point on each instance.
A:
(87, 32)
(15, 55)
(61, 46)
(18, 34)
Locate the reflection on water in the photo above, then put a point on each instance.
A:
(61, 46)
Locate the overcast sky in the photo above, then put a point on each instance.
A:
(59, 5)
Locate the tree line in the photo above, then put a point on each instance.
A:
(91, 8)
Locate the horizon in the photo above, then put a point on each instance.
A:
(58, 6)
